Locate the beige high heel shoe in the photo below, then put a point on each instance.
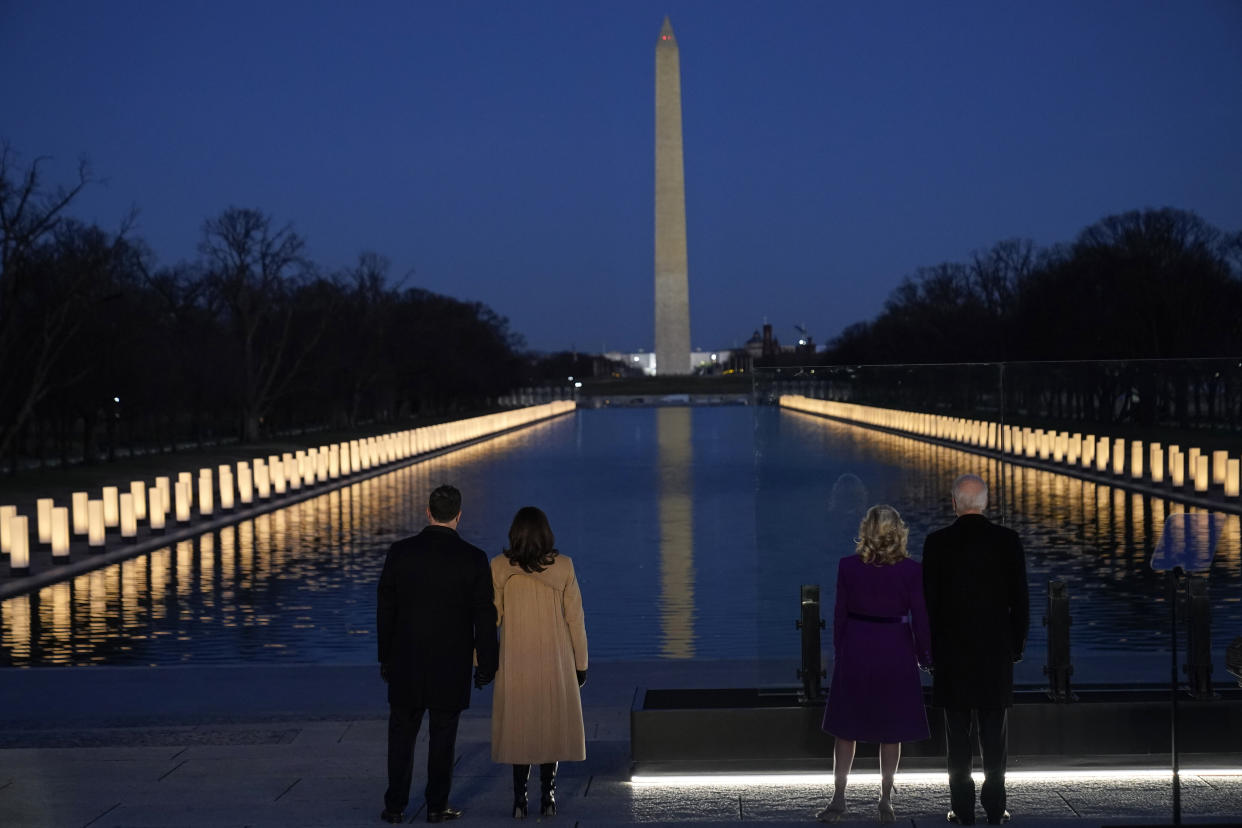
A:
(832, 813)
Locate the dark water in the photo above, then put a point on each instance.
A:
(691, 530)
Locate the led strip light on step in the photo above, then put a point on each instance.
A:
(719, 780)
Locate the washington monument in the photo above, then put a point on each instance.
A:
(672, 291)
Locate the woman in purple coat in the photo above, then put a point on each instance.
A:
(880, 637)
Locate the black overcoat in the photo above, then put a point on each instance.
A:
(974, 582)
(435, 609)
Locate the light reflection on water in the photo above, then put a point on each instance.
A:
(691, 530)
(673, 436)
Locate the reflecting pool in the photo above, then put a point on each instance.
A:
(691, 530)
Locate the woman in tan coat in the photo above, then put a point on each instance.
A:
(536, 707)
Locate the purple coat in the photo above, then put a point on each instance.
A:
(880, 636)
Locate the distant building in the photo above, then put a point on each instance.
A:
(766, 348)
(702, 362)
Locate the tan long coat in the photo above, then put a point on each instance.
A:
(536, 708)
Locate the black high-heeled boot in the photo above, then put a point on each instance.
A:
(547, 789)
(521, 773)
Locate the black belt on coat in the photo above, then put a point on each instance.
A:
(879, 619)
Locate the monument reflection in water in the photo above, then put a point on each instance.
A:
(691, 530)
(676, 532)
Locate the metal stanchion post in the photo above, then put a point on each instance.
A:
(1198, 639)
(1057, 619)
(1174, 576)
(810, 623)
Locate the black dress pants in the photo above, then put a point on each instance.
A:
(993, 730)
(403, 724)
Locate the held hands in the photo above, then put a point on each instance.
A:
(581, 677)
(482, 678)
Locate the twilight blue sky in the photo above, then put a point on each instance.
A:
(503, 150)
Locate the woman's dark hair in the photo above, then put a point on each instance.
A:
(532, 545)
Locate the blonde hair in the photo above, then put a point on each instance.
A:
(882, 536)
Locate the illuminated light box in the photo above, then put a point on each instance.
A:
(262, 482)
(1136, 459)
(206, 503)
(1201, 473)
(129, 521)
(321, 464)
(162, 483)
(1177, 467)
(188, 480)
(95, 530)
(7, 513)
(293, 469)
(80, 518)
(157, 511)
(182, 492)
(60, 534)
(1101, 454)
(226, 488)
(308, 463)
(43, 519)
(245, 483)
(1220, 467)
(1156, 461)
(111, 507)
(138, 489)
(276, 473)
(19, 545)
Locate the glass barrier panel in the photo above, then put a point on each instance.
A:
(1085, 460)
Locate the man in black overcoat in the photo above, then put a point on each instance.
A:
(435, 609)
(974, 580)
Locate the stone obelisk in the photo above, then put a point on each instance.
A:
(672, 290)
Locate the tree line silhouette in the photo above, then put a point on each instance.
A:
(1143, 284)
(1133, 321)
(102, 346)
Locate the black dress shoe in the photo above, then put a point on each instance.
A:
(392, 816)
(957, 820)
(443, 816)
(1000, 820)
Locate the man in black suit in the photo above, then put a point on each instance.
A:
(974, 580)
(435, 610)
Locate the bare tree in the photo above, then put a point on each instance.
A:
(35, 323)
(372, 302)
(253, 271)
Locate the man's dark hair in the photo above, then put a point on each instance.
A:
(444, 503)
(532, 545)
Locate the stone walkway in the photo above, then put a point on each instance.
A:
(304, 746)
